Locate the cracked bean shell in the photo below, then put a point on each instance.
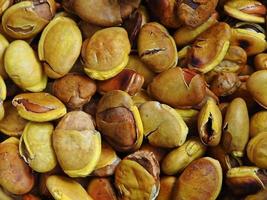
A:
(23, 67)
(210, 123)
(39, 106)
(61, 35)
(246, 10)
(36, 146)
(178, 88)
(119, 121)
(178, 159)
(208, 51)
(106, 53)
(25, 19)
(156, 47)
(137, 177)
(252, 42)
(77, 144)
(245, 180)
(185, 34)
(235, 133)
(163, 126)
